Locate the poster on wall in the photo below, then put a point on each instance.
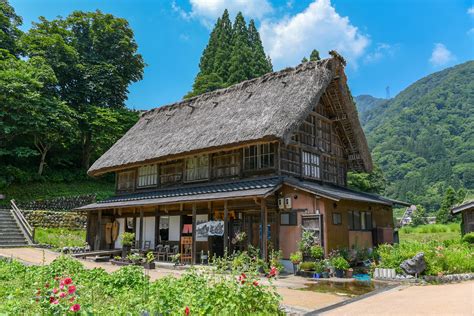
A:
(211, 228)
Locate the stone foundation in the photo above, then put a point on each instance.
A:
(52, 219)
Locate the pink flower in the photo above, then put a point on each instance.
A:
(273, 272)
(55, 302)
(255, 283)
(55, 291)
(71, 289)
(61, 286)
(186, 311)
(67, 281)
(75, 308)
(62, 294)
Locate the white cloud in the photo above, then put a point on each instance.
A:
(381, 50)
(441, 55)
(207, 11)
(318, 26)
(470, 11)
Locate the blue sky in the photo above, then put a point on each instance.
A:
(386, 42)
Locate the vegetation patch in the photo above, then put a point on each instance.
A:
(60, 237)
(36, 290)
(425, 233)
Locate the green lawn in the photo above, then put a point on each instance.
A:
(426, 233)
(60, 237)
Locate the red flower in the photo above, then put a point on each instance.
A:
(186, 311)
(51, 299)
(273, 272)
(55, 302)
(62, 294)
(55, 291)
(46, 285)
(72, 299)
(71, 289)
(243, 276)
(75, 308)
(255, 283)
(38, 292)
(67, 281)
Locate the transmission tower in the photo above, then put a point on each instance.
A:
(387, 92)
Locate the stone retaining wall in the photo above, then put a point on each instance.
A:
(52, 219)
(58, 204)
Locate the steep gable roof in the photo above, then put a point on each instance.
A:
(270, 107)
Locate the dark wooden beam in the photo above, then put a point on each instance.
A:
(264, 213)
(99, 231)
(226, 227)
(140, 240)
(194, 235)
(157, 225)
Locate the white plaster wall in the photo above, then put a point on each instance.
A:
(148, 230)
(174, 232)
(118, 242)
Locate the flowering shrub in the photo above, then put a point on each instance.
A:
(47, 290)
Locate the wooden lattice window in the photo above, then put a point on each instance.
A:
(259, 156)
(341, 173)
(329, 169)
(311, 165)
(147, 176)
(171, 172)
(290, 159)
(225, 164)
(125, 180)
(197, 168)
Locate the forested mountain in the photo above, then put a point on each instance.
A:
(423, 139)
(365, 103)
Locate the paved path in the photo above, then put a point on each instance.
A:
(447, 299)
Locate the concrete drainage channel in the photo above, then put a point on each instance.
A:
(355, 299)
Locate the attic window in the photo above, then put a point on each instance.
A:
(259, 157)
(171, 172)
(147, 176)
(125, 181)
(197, 168)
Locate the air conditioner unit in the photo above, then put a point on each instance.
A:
(288, 202)
(281, 203)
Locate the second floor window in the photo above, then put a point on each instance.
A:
(197, 168)
(147, 176)
(311, 165)
(225, 164)
(125, 181)
(171, 172)
(259, 156)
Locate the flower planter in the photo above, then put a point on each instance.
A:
(339, 273)
(125, 251)
(295, 268)
(316, 275)
(121, 263)
(349, 273)
(149, 265)
(325, 275)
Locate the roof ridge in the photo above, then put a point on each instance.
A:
(268, 76)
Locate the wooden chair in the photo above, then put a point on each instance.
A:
(147, 245)
(163, 253)
(173, 252)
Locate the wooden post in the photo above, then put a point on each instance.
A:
(194, 235)
(264, 214)
(157, 226)
(99, 231)
(226, 228)
(140, 240)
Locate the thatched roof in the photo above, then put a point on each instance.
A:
(270, 107)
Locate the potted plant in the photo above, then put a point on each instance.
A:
(317, 252)
(149, 261)
(296, 258)
(326, 263)
(176, 258)
(307, 266)
(127, 240)
(349, 273)
(318, 269)
(340, 264)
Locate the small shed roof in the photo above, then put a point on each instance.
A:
(467, 205)
(267, 108)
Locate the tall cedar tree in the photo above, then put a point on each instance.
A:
(94, 57)
(9, 31)
(233, 54)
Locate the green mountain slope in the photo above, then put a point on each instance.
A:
(366, 104)
(423, 139)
